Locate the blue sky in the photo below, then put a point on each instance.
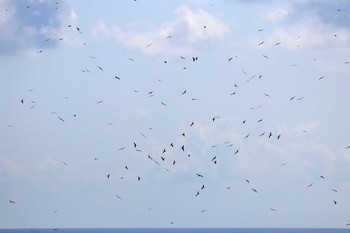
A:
(96, 77)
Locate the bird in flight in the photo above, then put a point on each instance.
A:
(12, 202)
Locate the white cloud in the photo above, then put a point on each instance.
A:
(176, 37)
(23, 29)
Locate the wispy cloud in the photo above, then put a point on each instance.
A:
(178, 36)
(37, 24)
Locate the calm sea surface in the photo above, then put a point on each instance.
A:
(178, 230)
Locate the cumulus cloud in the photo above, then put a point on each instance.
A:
(175, 37)
(36, 24)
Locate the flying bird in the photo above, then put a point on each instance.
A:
(12, 202)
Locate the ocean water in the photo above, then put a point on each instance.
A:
(179, 230)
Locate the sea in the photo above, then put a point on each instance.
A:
(179, 230)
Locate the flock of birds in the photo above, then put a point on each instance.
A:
(162, 158)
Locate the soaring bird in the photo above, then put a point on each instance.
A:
(12, 202)
(184, 92)
(254, 190)
(197, 193)
(199, 175)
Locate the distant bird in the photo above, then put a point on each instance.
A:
(100, 102)
(183, 147)
(12, 202)
(197, 194)
(138, 178)
(213, 158)
(108, 176)
(335, 202)
(348, 147)
(292, 98)
(164, 104)
(122, 148)
(278, 43)
(65, 163)
(184, 92)
(199, 175)
(309, 185)
(247, 180)
(321, 77)
(322, 177)
(270, 135)
(334, 190)
(272, 209)
(116, 77)
(254, 190)
(100, 68)
(22, 101)
(119, 197)
(194, 59)
(265, 56)
(61, 119)
(283, 164)
(174, 162)
(149, 45)
(202, 211)
(135, 145)
(171, 144)
(236, 151)
(260, 30)
(262, 134)
(246, 136)
(202, 187)
(260, 120)
(262, 42)
(192, 123)
(279, 136)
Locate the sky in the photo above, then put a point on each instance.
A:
(186, 113)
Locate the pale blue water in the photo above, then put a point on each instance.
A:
(179, 230)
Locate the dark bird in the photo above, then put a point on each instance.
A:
(100, 68)
(174, 162)
(246, 136)
(265, 56)
(192, 123)
(236, 151)
(122, 148)
(247, 180)
(292, 98)
(322, 177)
(262, 42)
(184, 92)
(254, 190)
(199, 175)
(108, 176)
(119, 197)
(135, 145)
(163, 151)
(310, 185)
(126, 167)
(162, 158)
(22, 101)
(270, 134)
(164, 104)
(262, 134)
(100, 102)
(197, 193)
(12, 202)
(115, 76)
(194, 59)
(283, 164)
(335, 202)
(347, 147)
(279, 136)
(260, 120)
(183, 147)
(213, 158)
(138, 178)
(272, 209)
(334, 190)
(321, 77)
(61, 119)
(65, 163)
(171, 144)
(202, 211)
(149, 45)
(202, 187)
